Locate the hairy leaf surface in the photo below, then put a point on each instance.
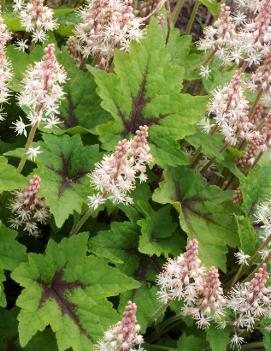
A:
(10, 179)
(63, 167)
(159, 234)
(82, 104)
(205, 213)
(144, 89)
(67, 290)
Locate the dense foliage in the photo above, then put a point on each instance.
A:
(135, 177)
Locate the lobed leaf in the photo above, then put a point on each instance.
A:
(67, 290)
(204, 211)
(145, 90)
(81, 105)
(10, 179)
(63, 167)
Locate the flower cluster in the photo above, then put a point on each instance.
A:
(5, 65)
(251, 301)
(259, 142)
(106, 25)
(181, 277)
(261, 78)
(29, 210)
(221, 33)
(114, 177)
(229, 107)
(124, 336)
(209, 301)
(41, 92)
(240, 36)
(185, 278)
(37, 18)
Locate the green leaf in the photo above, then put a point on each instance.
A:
(120, 249)
(256, 186)
(217, 77)
(123, 251)
(67, 290)
(9, 339)
(63, 167)
(218, 338)
(205, 213)
(167, 150)
(10, 179)
(158, 233)
(82, 105)
(3, 301)
(8, 330)
(46, 339)
(20, 60)
(267, 341)
(210, 145)
(12, 253)
(192, 343)
(145, 90)
(211, 5)
(247, 234)
(183, 52)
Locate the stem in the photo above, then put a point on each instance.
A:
(210, 57)
(81, 222)
(266, 260)
(251, 112)
(198, 152)
(252, 261)
(253, 107)
(255, 162)
(158, 312)
(195, 158)
(192, 17)
(253, 345)
(263, 246)
(165, 327)
(27, 146)
(212, 160)
(237, 276)
(228, 182)
(177, 10)
(207, 165)
(32, 46)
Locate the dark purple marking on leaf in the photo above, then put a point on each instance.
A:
(136, 118)
(178, 192)
(189, 206)
(140, 273)
(142, 269)
(57, 290)
(71, 120)
(67, 180)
